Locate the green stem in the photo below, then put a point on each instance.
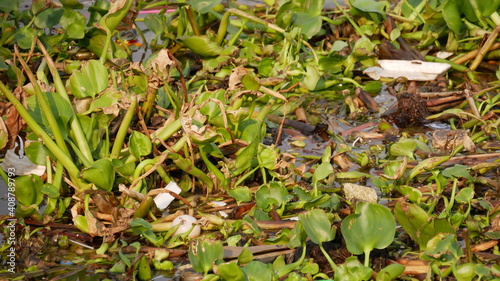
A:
(367, 258)
(328, 258)
(122, 132)
(212, 167)
(51, 145)
(447, 211)
(76, 128)
(455, 66)
(187, 167)
(245, 176)
(284, 270)
(45, 106)
(221, 33)
(192, 21)
(106, 46)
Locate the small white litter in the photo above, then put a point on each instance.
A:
(412, 70)
(20, 164)
(162, 200)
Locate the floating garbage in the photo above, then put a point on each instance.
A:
(414, 70)
(162, 200)
(19, 163)
(186, 222)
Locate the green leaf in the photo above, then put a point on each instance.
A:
(465, 195)
(390, 272)
(272, 194)
(201, 45)
(204, 254)
(140, 144)
(71, 4)
(28, 190)
(464, 272)
(102, 174)
(371, 226)
(9, 6)
(245, 257)
(370, 6)
(433, 227)
(310, 24)
(312, 77)
(352, 175)
(322, 171)
(411, 217)
(144, 269)
(37, 153)
(353, 270)
(60, 107)
(154, 22)
(452, 16)
(443, 247)
(317, 226)
(24, 37)
(245, 156)
(81, 222)
(90, 80)
(48, 18)
(76, 30)
(250, 82)
(404, 147)
(241, 194)
(204, 6)
(230, 271)
(117, 11)
(427, 165)
(457, 171)
(257, 271)
(74, 23)
(50, 190)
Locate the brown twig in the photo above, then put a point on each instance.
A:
(485, 48)
(472, 104)
(472, 54)
(175, 195)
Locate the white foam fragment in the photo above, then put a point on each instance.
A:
(163, 200)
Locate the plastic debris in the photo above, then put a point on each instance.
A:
(412, 70)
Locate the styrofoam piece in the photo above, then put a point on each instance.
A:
(413, 70)
(163, 200)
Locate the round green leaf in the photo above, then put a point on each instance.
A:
(257, 271)
(140, 144)
(102, 174)
(90, 80)
(28, 190)
(317, 226)
(154, 22)
(24, 37)
(204, 6)
(372, 226)
(48, 18)
(404, 147)
(269, 195)
(241, 194)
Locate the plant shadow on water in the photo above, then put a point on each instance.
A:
(219, 141)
